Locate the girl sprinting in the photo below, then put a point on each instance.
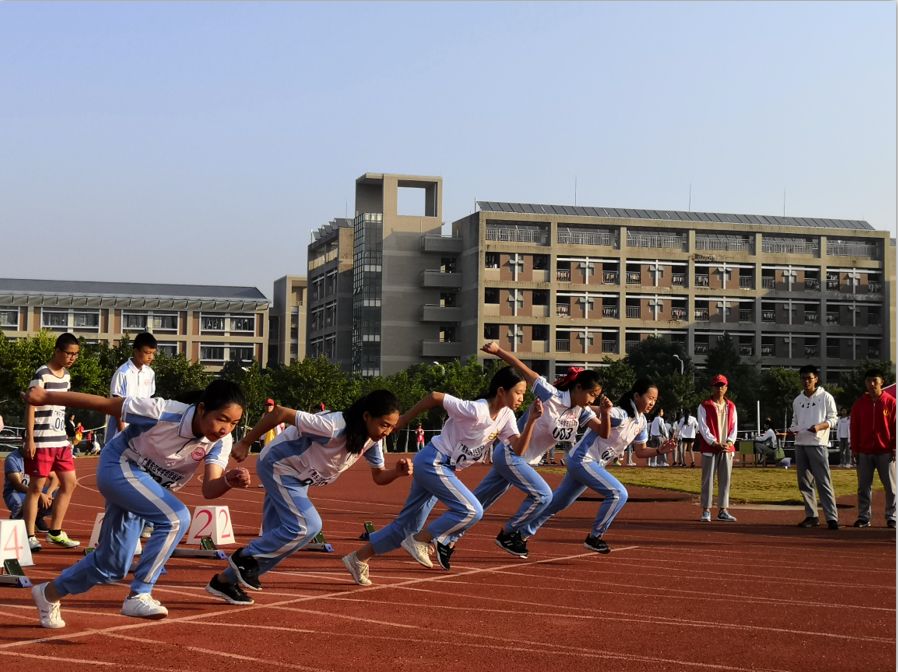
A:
(566, 408)
(620, 426)
(139, 469)
(465, 438)
(314, 450)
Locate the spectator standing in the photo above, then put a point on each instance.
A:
(658, 434)
(873, 446)
(47, 448)
(843, 434)
(133, 379)
(813, 415)
(687, 428)
(419, 438)
(717, 423)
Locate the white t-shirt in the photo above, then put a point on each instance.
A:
(159, 439)
(313, 449)
(624, 431)
(129, 381)
(469, 433)
(688, 427)
(659, 428)
(843, 428)
(558, 423)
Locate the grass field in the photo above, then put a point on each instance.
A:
(750, 485)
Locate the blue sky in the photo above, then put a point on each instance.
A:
(202, 142)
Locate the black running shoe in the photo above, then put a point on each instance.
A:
(512, 543)
(596, 544)
(229, 592)
(246, 568)
(443, 553)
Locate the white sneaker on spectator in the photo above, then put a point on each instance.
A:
(143, 605)
(418, 550)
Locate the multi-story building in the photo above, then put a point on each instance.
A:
(207, 324)
(397, 277)
(287, 320)
(564, 285)
(568, 285)
(329, 331)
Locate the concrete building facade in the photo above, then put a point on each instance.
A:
(287, 320)
(206, 324)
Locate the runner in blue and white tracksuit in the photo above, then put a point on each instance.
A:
(138, 471)
(466, 437)
(313, 451)
(566, 408)
(620, 426)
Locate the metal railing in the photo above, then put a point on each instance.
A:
(563, 344)
(702, 281)
(768, 283)
(517, 234)
(723, 243)
(702, 314)
(634, 277)
(609, 311)
(633, 312)
(610, 277)
(678, 279)
(852, 248)
(746, 282)
(746, 315)
(580, 237)
(563, 274)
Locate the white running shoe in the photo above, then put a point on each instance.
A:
(34, 544)
(49, 611)
(143, 605)
(62, 539)
(706, 517)
(147, 531)
(418, 550)
(357, 568)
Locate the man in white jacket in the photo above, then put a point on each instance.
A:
(814, 413)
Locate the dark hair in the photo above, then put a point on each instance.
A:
(220, 393)
(144, 339)
(640, 386)
(685, 413)
(873, 373)
(376, 404)
(809, 368)
(506, 378)
(587, 380)
(768, 422)
(65, 340)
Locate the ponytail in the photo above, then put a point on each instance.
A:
(376, 404)
(641, 386)
(506, 378)
(587, 380)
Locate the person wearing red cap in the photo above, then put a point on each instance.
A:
(716, 441)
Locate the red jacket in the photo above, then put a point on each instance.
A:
(873, 425)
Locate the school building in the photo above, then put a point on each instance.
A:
(569, 285)
(205, 323)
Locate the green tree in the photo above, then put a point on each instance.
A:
(851, 384)
(744, 388)
(175, 376)
(661, 360)
(779, 387)
(617, 377)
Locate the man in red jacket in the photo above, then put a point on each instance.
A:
(873, 446)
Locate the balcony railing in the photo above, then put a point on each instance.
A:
(832, 284)
(610, 277)
(630, 346)
(563, 310)
(580, 237)
(834, 352)
(766, 351)
(701, 348)
(678, 279)
(874, 287)
(746, 350)
(634, 277)
(563, 274)
(746, 282)
(768, 316)
(517, 234)
(609, 346)
(810, 317)
(563, 344)
(832, 318)
(702, 281)
(873, 353)
(812, 283)
(609, 311)
(768, 283)
(746, 315)
(702, 314)
(678, 313)
(633, 312)
(848, 248)
(810, 351)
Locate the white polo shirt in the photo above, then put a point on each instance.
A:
(129, 381)
(624, 431)
(313, 449)
(159, 439)
(558, 423)
(470, 431)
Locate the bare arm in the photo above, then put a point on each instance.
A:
(266, 423)
(28, 448)
(217, 481)
(431, 400)
(521, 441)
(38, 396)
(384, 476)
(509, 358)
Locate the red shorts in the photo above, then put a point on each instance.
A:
(49, 459)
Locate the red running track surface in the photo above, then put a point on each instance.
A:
(674, 594)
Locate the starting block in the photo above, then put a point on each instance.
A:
(14, 543)
(319, 543)
(212, 522)
(207, 549)
(369, 528)
(95, 537)
(14, 575)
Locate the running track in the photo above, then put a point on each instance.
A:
(674, 594)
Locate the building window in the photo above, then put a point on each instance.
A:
(87, 321)
(540, 332)
(163, 322)
(540, 297)
(212, 354)
(212, 323)
(243, 323)
(491, 331)
(492, 260)
(9, 317)
(170, 349)
(491, 295)
(134, 321)
(241, 353)
(55, 319)
(540, 262)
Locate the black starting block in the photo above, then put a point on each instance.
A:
(207, 549)
(14, 575)
(369, 528)
(319, 543)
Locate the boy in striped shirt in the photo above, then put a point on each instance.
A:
(47, 448)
